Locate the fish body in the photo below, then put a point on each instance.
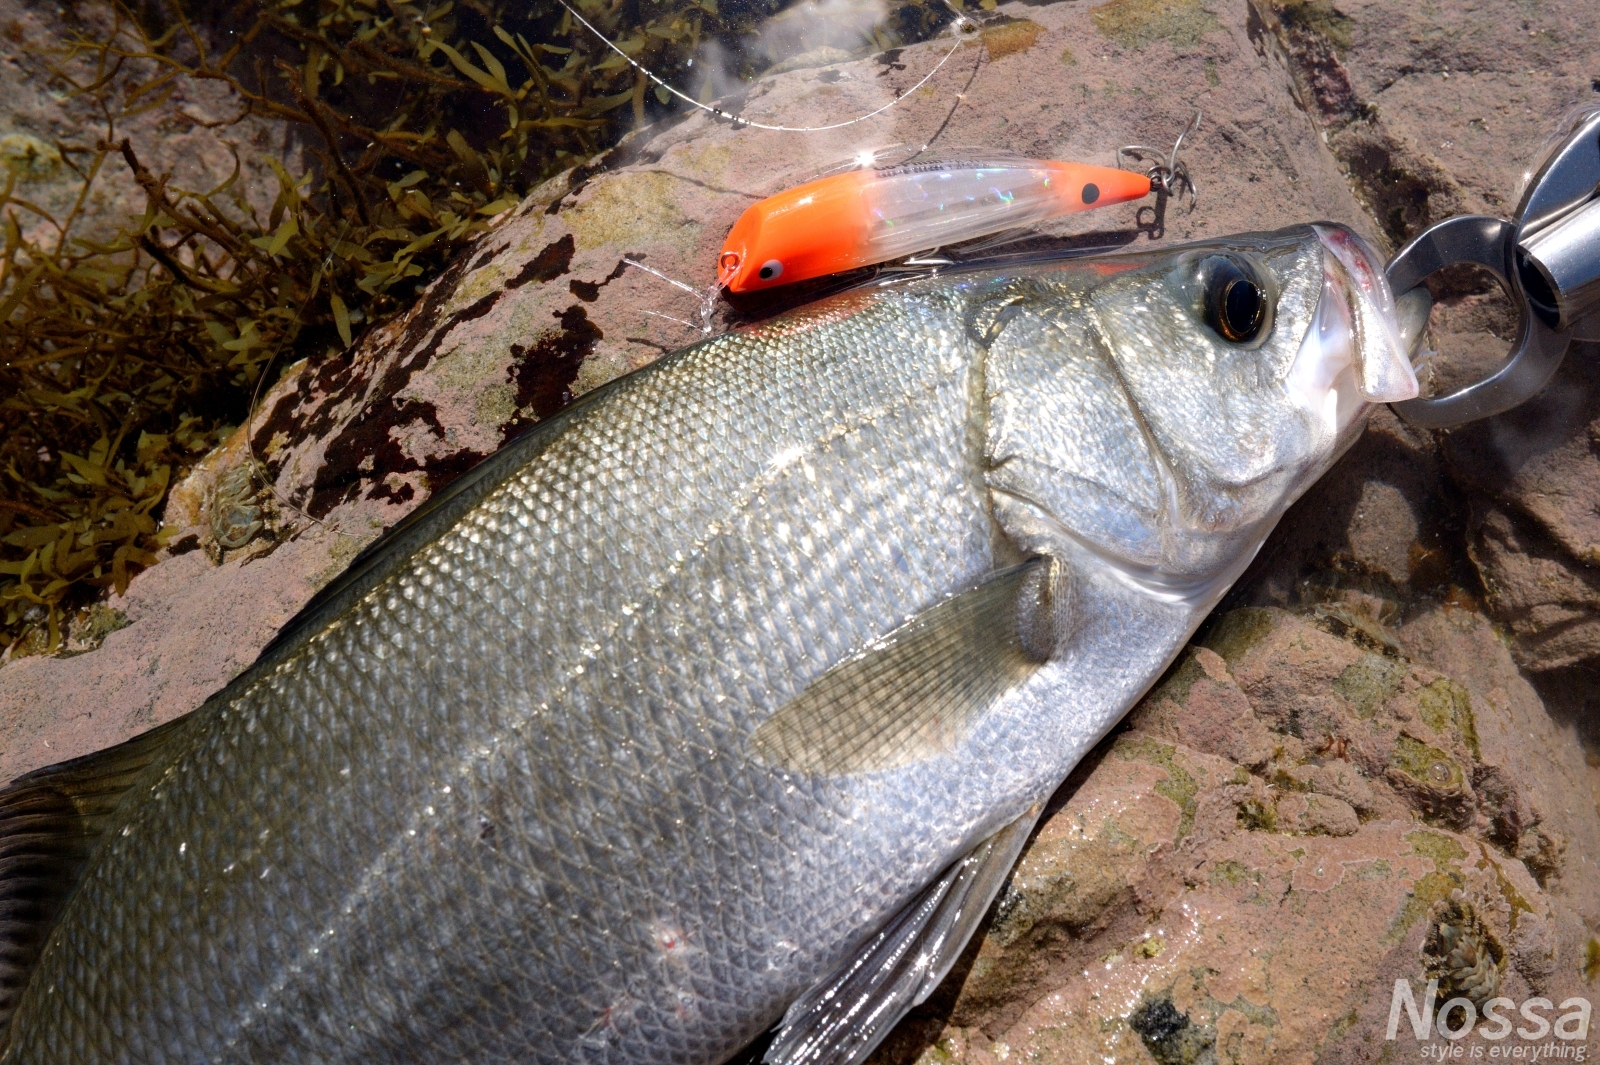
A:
(872, 215)
(655, 723)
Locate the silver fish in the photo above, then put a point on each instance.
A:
(725, 699)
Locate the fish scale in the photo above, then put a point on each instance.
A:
(503, 796)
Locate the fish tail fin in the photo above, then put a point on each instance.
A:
(51, 820)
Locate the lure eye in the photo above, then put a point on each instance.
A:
(1236, 303)
(770, 269)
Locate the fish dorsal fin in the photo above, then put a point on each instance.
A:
(917, 691)
(51, 820)
(844, 1017)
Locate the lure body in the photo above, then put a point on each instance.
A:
(855, 219)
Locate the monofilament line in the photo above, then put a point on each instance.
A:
(960, 22)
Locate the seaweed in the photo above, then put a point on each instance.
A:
(124, 360)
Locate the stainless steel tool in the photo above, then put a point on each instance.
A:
(1548, 258)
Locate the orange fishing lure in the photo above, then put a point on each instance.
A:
(871, 216)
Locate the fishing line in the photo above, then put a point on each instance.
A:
(708, 298)
(961, 23)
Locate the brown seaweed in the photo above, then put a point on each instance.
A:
(123, 361)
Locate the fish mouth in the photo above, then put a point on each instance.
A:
(1352, 354)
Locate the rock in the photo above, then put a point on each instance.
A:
(1339, 779)
(1433, 110)
(1437, 111)
(1184, 905)
(1346, 758)
(546, 308)
(1534, 532)
(1385, 520)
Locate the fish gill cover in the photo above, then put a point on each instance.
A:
(128, 351)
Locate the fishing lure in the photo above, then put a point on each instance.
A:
(868, 216)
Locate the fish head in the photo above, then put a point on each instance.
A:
(1165, 409)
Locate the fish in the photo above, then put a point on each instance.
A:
(720, 703)
(874, 214)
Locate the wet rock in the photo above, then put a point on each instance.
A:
(1275, 835)
(1534, 533)
(1340, 780)
(546, 308)
(1440, 110)
(1434, 110)
(1385, 521)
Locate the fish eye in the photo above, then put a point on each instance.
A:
(770, 269)
(1235, 301)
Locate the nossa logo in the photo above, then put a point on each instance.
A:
(1533, 1020)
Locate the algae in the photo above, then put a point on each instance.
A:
(122, 360)
(1341, 1027)
(1258, 815)
(1321, 18)
(1444, 705)
(1171, 1037)
(1265, 1016)
(1428, 766)
(1231, 873)
(1179, 680)
(1133, 24)
(1515, 900)
(1237, 632)
(1180, 786)
(1446, 854)
(496, 406)
(1367, 683)
(1442, 850)
(1008, 38)
(632, 209)
(1149, 947)
(90, 628)
(29, 158)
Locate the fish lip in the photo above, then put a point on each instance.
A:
(1382, 359)
(1352, 355)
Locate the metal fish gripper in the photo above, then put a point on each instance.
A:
(1548, 259)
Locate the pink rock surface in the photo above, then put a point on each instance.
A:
(1245, 868)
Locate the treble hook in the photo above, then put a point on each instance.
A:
(1172, 176)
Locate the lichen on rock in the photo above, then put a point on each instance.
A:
(1345, 755)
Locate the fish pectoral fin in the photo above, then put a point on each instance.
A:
(51, 820)
(844, 1017)
(917, 691)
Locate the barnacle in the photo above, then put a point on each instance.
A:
(1463, 954)
(235, 510)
